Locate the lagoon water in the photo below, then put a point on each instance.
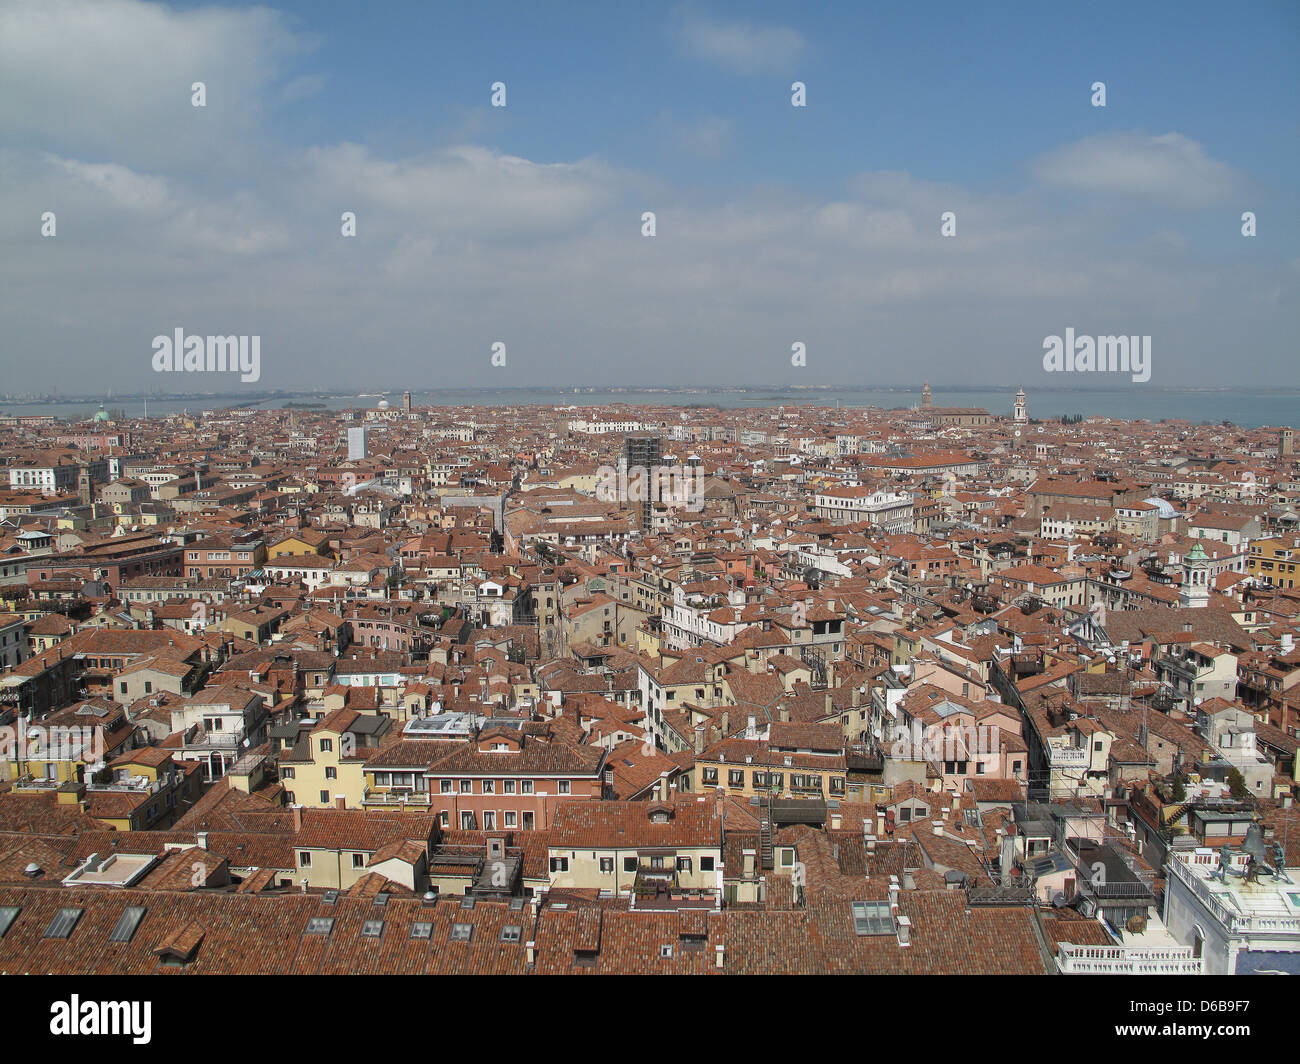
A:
(1246, 407)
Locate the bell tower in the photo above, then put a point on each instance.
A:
(1195, 591)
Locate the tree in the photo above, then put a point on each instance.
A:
(1179, 791)
(1237, 784)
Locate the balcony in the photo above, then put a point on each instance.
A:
(391, 799)
(1069, 756)
(1226, 904)
(1128, 960)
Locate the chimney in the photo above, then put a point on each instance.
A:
(835, 821)
(719, 953)
(699, 739)
(531, 947)
(726, 724)
(297, 818)
(751, 728)
(937, 827)
(340, 801)
(893, 894)
(880, 823)
(201, 839)
(904, 931)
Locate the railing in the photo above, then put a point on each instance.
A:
(1069, 756)
(397, 798)
(1235, 921)
(1128, 960)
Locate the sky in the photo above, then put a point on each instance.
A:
(522, 224)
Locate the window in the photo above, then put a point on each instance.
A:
(683, 864)
(665, 951)
(607, 865)
(326, 745)
(559, 864)
(466, 786)
(358, 860)
(286, 773)
(525, 786)
(372, 929)
(512, 819)
(304, 859)
(489, 786)
(872, 918)
(706, 864)
(512, 933)
(320, 925)
(564, 786)
(8, 914)
(709, 777)
(735, 777)
(507, 786)
(324, 797)
(461, 932)
(446, 786)
(331, 773)
(629, 864)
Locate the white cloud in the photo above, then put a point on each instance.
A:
(1170, 169)
(118, 185)
(468, 189)
(739, 45)
(708, 135)
(113, 77)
